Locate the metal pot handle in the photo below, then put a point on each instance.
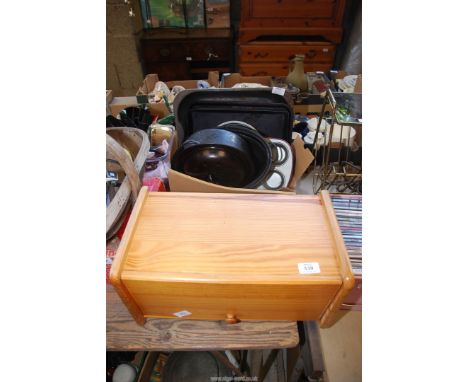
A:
(190, 141)
(245, 124)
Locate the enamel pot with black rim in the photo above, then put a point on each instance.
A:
(216, 156)
(260, 149)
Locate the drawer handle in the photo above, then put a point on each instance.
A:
(311, 54)
(261, 54)
(260, 74)
(210, 55)
(231, 319)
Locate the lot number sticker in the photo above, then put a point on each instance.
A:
(308, 268)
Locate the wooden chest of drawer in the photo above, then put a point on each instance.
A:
(272, 58)
(232, 257)
(165, 51)
(313, 52)
(156, 51)
(218, 49)
(184, 55)
(292, 13)
(278, 69)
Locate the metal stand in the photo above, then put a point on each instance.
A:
(299, 364)
(305, 362)
(341, 174)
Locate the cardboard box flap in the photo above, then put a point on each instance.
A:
(342, 74)
(109, 96)
(179, 182)
(235, 78)
(358, 86)
(120, 103)
(303, 158)
(150, 81)
(148, 84)
(213, 78)
(187, 84)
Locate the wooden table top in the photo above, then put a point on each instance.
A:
(123, 333)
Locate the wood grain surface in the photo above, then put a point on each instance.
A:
(123, 333)
(331, 315)
(291, 13)
(230, 238)
(235, 255)
(248, 34)
(282, 52)
(117, 265)
(278, 68)
(242, 301)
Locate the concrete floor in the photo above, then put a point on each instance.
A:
(342, 343)
(342, 349)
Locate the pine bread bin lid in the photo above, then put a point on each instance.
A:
(230, 239)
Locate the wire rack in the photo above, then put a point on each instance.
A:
(338, 173)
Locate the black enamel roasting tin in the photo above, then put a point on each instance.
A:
(198, 109)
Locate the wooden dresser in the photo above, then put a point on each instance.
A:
(272, 31)
(179, 54)
(272, 58)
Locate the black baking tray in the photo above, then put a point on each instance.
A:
(198, 109)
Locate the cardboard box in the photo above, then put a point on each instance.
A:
(109, 96)
(236, 78)
(108, 101)
(150, 81)
(179, 182)
(306, 107)
(119, 103)
(340, 74)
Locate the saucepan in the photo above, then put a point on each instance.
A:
(216, 156)
(260, 149)
(234, 155)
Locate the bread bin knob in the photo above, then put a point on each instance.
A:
(231, 319)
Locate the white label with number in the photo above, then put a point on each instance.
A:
(182, 313)
(308, 268)
(279, 91)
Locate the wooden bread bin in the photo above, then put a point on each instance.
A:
(232, 257)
